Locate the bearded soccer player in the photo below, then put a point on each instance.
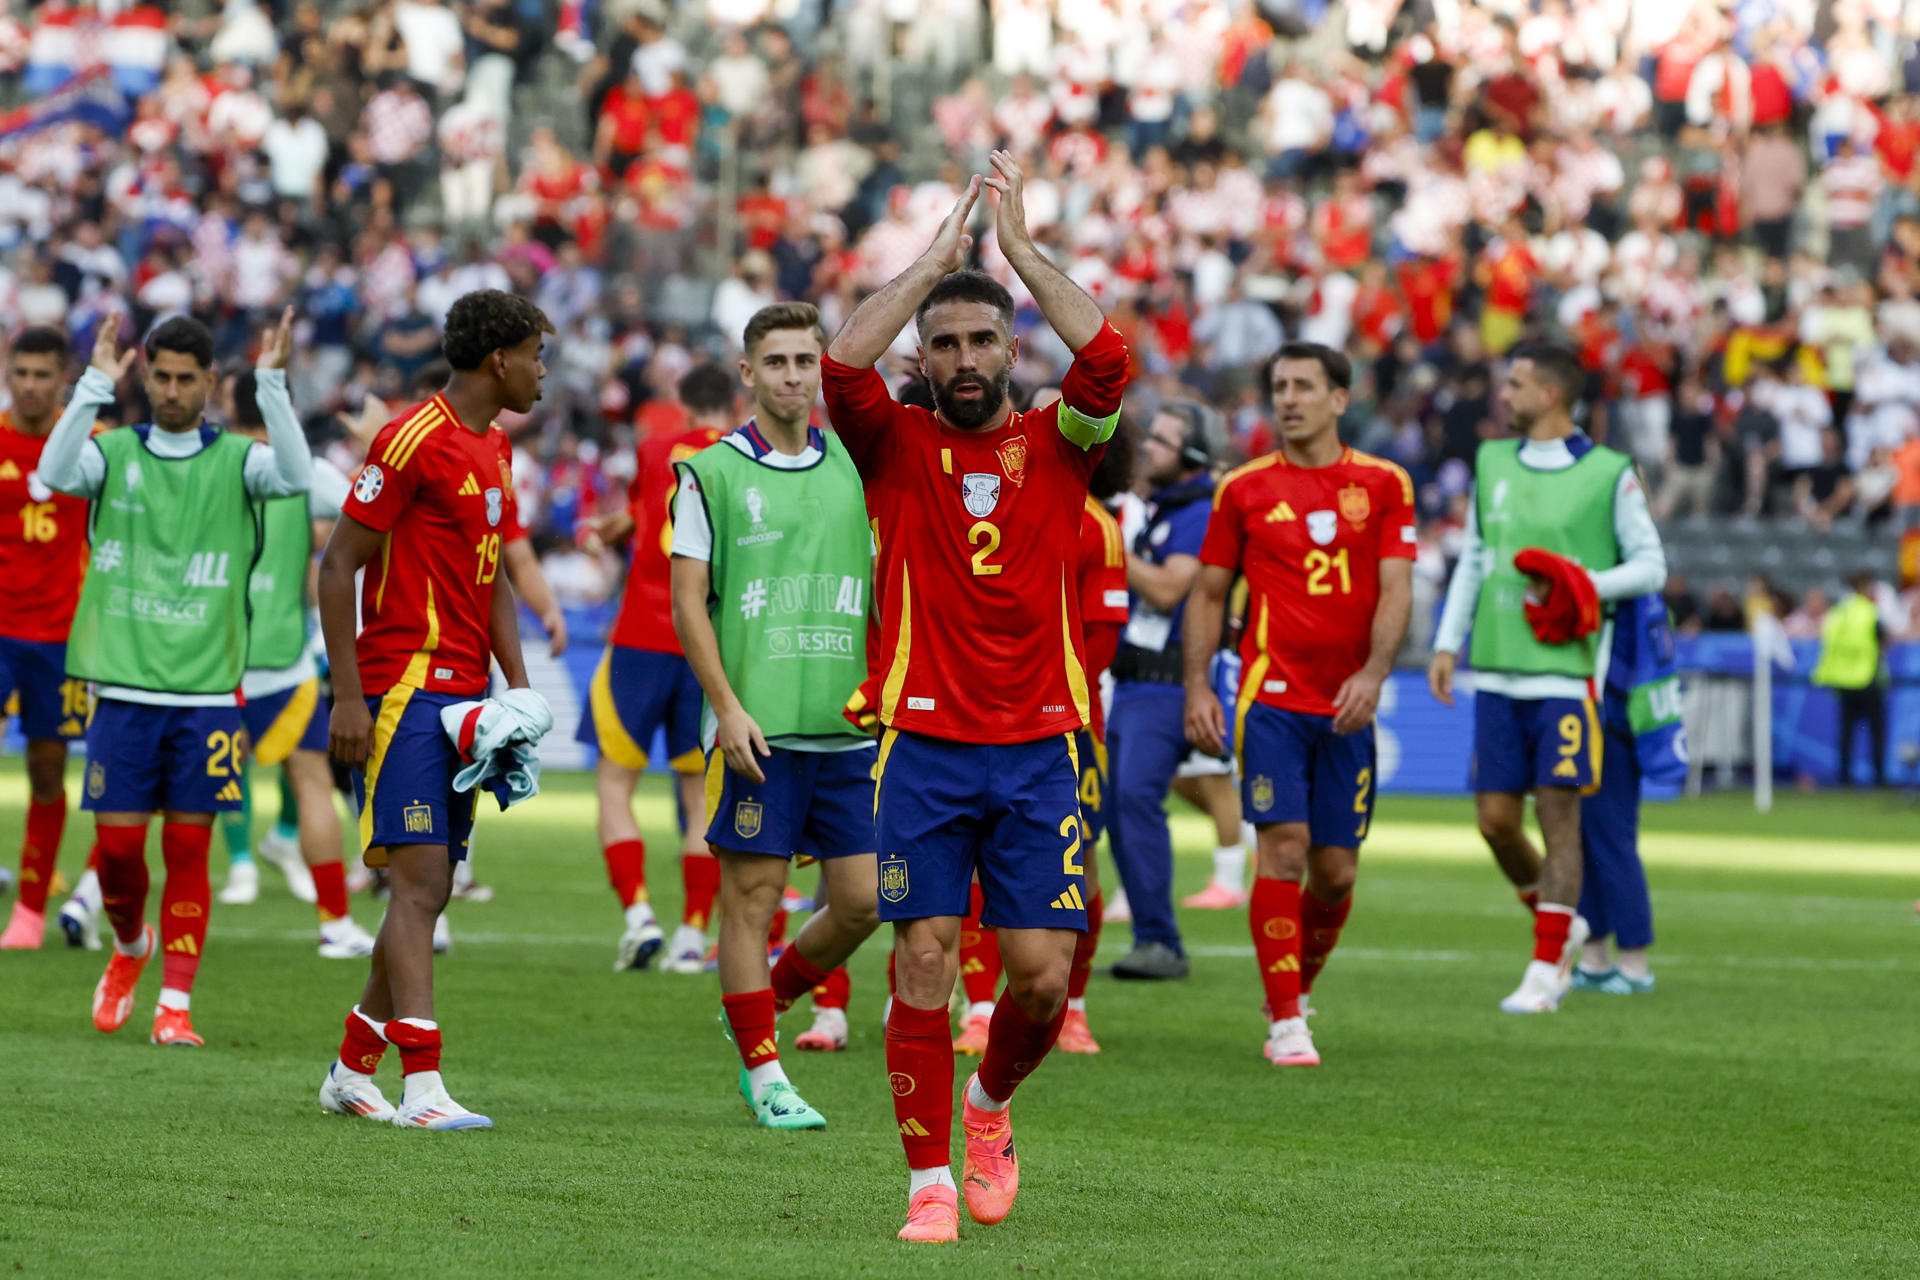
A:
(1577, 511)
(772, 576)
(43, 557)
(162, 629)
(1324, 535)
(978, 513)
(284, 712)
(431, 507)
(644, 685)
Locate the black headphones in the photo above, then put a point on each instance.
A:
(1196, 448)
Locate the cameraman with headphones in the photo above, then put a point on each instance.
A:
(1146, 735)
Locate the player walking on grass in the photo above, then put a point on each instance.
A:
(1580, 508)
(978, 512)
(284, 712)
(161, 628)
(43, 557)
(644, 684)
(1324, 535)
(772, 578)
(431, 506)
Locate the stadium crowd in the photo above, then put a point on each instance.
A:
(1715, 203)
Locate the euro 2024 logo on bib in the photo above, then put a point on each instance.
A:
(980, 490)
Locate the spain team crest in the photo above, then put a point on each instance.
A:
(96, 779)
(746, 819)
(893, 879)
(1355, 505)
(1013, 457)
(1262, 792)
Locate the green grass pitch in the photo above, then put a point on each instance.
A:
(1756, 1116)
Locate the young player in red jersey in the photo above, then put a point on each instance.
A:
(1101, 570)
(978, 513)
(43, 557)
(1324, 535)
(644, 684)
(426, 518)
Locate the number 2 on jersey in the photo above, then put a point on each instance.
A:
(488, 549)
(986, 537)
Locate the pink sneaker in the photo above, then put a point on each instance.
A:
(1215, 897)
(933, 1217)
(25, 930)
(991, 1174)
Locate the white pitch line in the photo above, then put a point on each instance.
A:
(1365, 955)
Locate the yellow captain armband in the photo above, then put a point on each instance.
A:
(1086, 431)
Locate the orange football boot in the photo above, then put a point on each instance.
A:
(113, 998)
(1075, 1036)
(933, 1216)
(972, 1039)
(174, 1026)
(991, 1173)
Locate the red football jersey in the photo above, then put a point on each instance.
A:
(979, 534)
(1103, 600)
(1310, 541)
(43, 543)
(646, 607)
(443, 495)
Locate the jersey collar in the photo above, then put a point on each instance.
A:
(208, 434)
(757, 446)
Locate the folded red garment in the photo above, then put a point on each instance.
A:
(1571, 608)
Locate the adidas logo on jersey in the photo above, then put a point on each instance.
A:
(1281, 512)
(8, 471)
(469, 488)
(1070, 900)
(231, 791)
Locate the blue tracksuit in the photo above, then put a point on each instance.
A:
(1613, 888)
(1146, 731)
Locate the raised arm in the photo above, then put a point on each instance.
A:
(1074, 315)
(66, 464)
(876, 322)
(286, 467)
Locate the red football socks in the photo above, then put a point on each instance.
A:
(330, 890)
(419, 1045)
(979, 955)
(700, 877)
(1273, 912)
(1084, 948)
(93, 857)
(1015, 1046)
(920, 1071)
(750, 1015)
(124, 880)
(834, 991)
(627, 870)
(46, 823)
(184, 903)
(1320, 925)
(793, 976)
(1551, 924)
(364, 1044)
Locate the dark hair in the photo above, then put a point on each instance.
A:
(1334, 364)
(487, 321)
(1558, 365)
(781, 315)
(42, 340)
(246, 403)
(185, 335)
(1114, 472)
(1196, 446)
(968, 286)
(706, 388)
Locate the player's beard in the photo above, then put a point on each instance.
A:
(971, 415)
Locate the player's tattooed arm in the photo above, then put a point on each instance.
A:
(350, 730)
(1206, 720)
(1074, 315)
(736, 734)
(876, 322)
